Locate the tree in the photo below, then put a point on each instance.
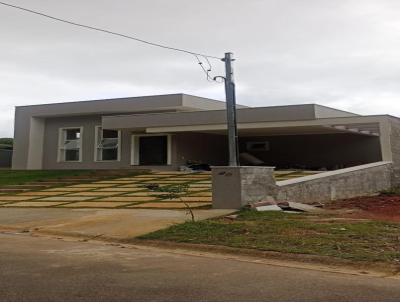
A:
(174, 192)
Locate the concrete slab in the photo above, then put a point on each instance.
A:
(185, 179)
(114, 182)
(65, 198)
(197, 185)
(95, 204)
(190, 189)
(141, 178)
(161, 182)
(146, 193)
(273, 208)
(94, 193)
(191, 199)
(170, 173)
(169, 205)
(202, 194)
(119, 189)
(132, 185)
(42, 193)
(107, 223)
(68, 189)
(33, 204)
(92, 185)
(128, 198)
(16, 198)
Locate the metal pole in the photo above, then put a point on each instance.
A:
(231, 110)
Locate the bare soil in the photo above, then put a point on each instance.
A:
(381, 207)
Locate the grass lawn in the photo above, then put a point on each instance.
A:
(313, 234)
(15, 177)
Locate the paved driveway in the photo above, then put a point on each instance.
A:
(126, 193)
(122, 193)
(103, 223)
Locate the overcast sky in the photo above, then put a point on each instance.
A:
(340, 53)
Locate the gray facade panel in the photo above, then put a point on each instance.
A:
(244, 115)
(21, 140)
(88, 145)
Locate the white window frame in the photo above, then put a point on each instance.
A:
(98, 139)
(135, 148)
(61, 141)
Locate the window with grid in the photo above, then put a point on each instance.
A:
(70, 144)
(108, 144)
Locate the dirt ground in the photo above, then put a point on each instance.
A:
(381, 207)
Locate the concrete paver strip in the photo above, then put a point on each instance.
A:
(65, 198)
(16, 198)
(133, 185)
(128, 198)
(146, 193)
(95, 193)
(42, 193)
(119, 189)
(114, 182)
(162, 182)
(141, 178)
(202, 194)
(170, 205)
(67, 189)
(196, 185)
(91, 185)
(33, 204)
(190, 199)
(94, 204)
(196, 189)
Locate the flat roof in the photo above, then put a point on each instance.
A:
(153, 103)
(244, 115)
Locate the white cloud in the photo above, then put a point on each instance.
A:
(337, 53)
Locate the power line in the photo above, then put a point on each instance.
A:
(109, 32)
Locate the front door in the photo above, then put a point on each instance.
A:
(153, 150)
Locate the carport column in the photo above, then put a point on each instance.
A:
(235, 187)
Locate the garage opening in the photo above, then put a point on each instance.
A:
(310, 151)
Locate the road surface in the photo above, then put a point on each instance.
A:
(50, 269)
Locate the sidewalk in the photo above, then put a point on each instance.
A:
(111, 224)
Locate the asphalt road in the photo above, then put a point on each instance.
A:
(47, 269)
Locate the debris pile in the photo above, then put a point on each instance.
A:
(286, 206)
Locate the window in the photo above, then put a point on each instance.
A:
(107, 144)
(70, 144)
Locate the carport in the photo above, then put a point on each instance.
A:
(308, 137)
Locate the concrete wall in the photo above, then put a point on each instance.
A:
(394, 137)
(21, 139)
(339, 184)
(332, 151)
(234, 187)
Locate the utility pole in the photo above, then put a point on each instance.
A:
(231, 110)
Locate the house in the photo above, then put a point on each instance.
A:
(168, 131)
